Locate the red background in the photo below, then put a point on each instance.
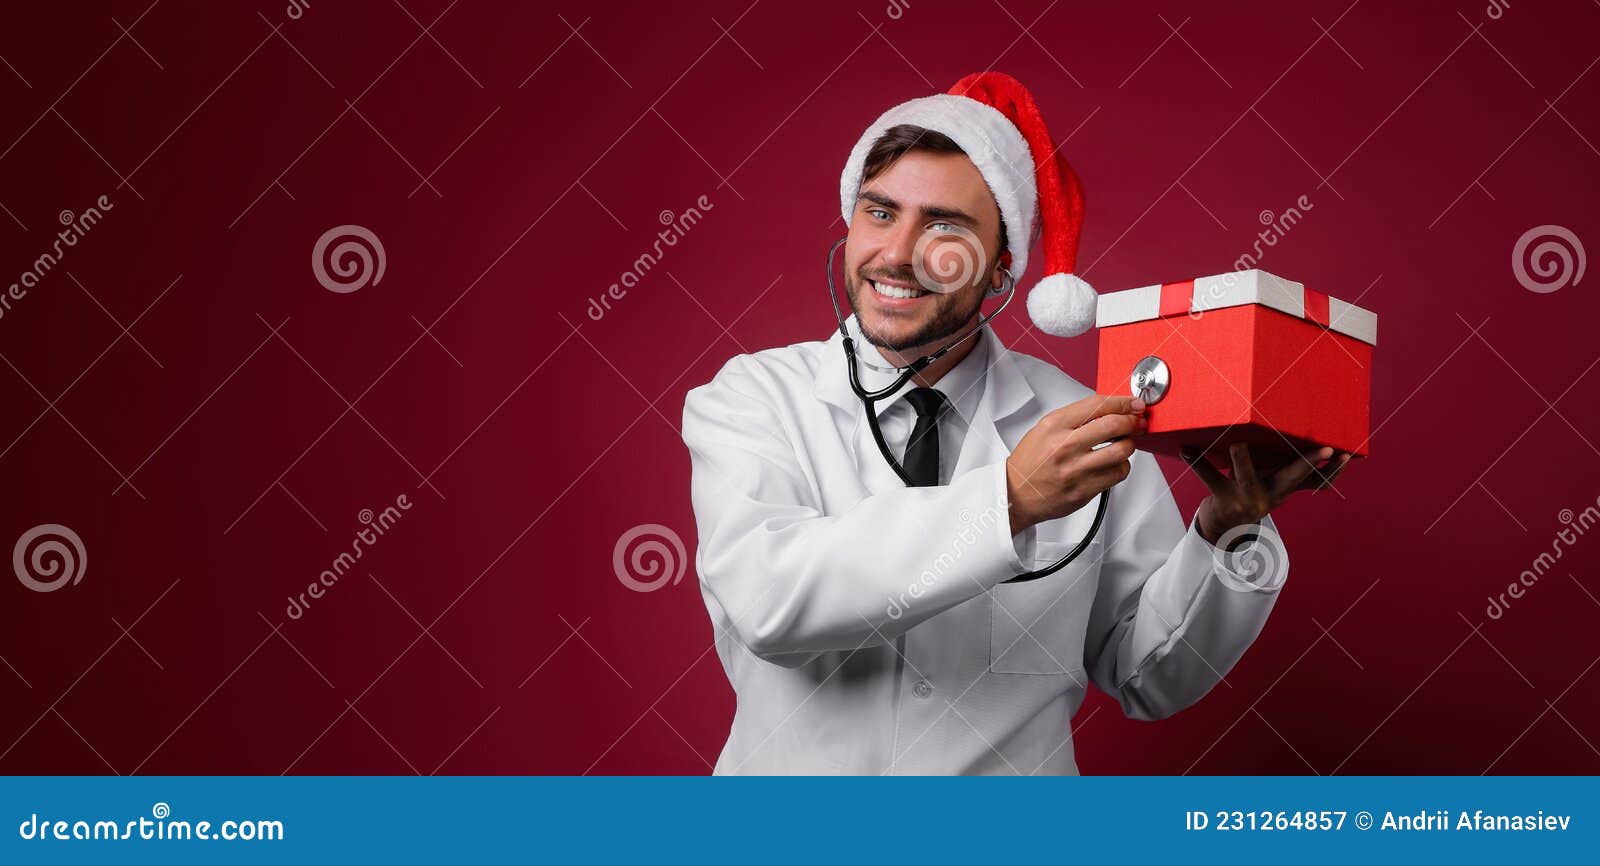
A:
(1428, 138)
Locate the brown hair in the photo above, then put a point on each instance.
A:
(897, 141)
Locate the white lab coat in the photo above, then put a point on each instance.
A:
(863, 624)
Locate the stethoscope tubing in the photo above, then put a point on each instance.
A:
(869, 400)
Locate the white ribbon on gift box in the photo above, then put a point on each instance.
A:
(1235, 289)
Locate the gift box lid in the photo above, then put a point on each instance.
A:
(1235, 289)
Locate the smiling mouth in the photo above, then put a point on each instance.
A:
(891, 291)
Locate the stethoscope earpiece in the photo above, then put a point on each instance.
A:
(1008, 283)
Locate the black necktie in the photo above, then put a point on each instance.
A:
(922, 451)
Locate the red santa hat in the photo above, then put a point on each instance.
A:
(995, 120)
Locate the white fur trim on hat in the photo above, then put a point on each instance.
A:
(1062, 305)
(993, 144)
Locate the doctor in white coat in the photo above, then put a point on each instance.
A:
(866, 626)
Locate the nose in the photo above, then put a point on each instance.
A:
(899, 246)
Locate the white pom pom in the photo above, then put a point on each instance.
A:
(1062, 305)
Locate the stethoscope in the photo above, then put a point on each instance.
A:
(869, 400)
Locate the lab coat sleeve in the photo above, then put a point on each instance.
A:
(794, 582)
(1172, 614)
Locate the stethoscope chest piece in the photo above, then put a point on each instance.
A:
(1150, 380)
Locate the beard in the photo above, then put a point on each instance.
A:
(951, 316)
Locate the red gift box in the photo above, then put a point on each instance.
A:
(1244, 356)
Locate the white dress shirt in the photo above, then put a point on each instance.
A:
(962, 386)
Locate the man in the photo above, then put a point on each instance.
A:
(866, 624)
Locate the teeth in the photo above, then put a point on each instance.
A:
(896, 291)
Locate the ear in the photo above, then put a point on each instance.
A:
(997, 279)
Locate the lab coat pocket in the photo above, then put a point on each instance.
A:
(1038, 627)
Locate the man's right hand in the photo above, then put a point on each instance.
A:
(1056, 469)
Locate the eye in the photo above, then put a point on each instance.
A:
(943, 227)
(878, 214)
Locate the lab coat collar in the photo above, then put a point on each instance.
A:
(1005, 389)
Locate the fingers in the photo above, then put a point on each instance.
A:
(1105, 467)
(1096, 406)
(1207, 471)
(1312, 470)
(1324, 477)
(1244, 469)
(1118, 452)
(1289, 478)
(1107, 428)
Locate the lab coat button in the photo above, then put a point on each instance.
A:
(922, 688)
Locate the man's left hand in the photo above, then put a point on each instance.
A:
(1246, 497)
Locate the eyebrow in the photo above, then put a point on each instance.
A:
(928, 211)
